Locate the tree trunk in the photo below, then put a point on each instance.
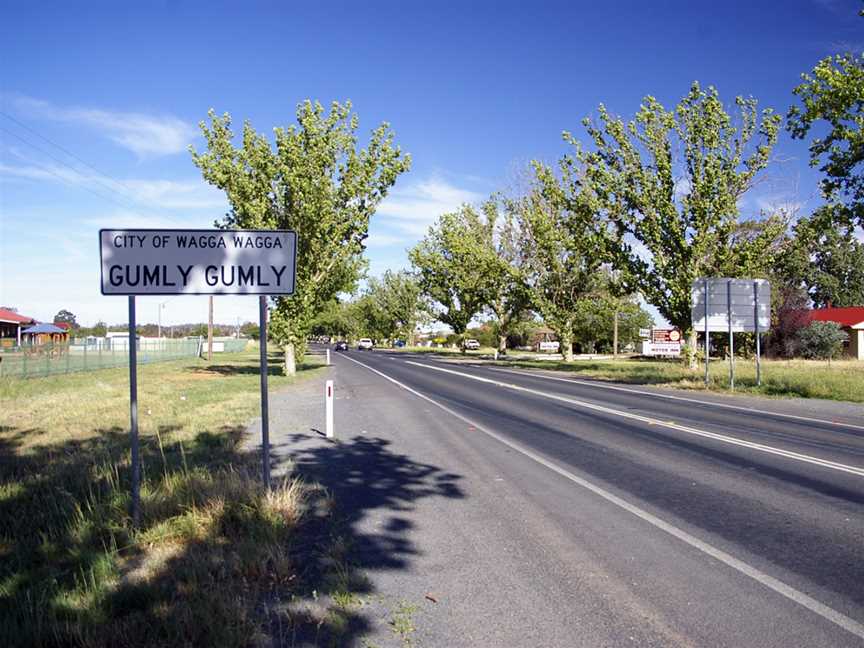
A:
(615, 333)
(566, 342)
(691, 351)
(289, 366)
(502, 344)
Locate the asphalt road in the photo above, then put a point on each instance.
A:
(593, 515)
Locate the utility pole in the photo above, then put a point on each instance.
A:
(210, 332)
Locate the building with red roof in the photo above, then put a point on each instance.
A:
(11, 325)
(851, 319)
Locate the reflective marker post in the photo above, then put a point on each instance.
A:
(328, 410)
(133, 414)
(265, 413)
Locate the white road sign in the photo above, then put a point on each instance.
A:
(748, 297)
(198, 262)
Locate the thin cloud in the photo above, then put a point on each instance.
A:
(143, 134)
(408, 212)
(167, 194)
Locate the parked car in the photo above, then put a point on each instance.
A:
(399, 344)
(471, 345)
(341, 345)
(365, 344)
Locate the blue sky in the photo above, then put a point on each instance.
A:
(473, 90)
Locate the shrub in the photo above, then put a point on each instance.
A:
(821, 340)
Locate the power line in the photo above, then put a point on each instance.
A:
(67, 165)
(62, 148)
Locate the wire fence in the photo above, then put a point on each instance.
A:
(86, 355)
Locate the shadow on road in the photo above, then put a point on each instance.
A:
(361, 479)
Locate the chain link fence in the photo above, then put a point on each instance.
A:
(49, 359)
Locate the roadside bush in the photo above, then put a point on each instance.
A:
(821, 340)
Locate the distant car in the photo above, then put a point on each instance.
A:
(341, 345)
(471, 345)
(365, 344)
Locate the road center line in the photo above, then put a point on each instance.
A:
(641, 392)
(768, 581)
(760, 447)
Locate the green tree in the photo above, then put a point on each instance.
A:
(827, 259)
(450, 272)
(315, 181)
(501, 243)
(668, 184)
(561, 258)
(821, 340)
(831, 97)
(398, 300)
(66, 317)
(250, 330)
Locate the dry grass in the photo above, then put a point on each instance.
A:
(212, 543)
(838, 380)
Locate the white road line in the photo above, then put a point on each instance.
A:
(768, 581)
(788, 454)
(642, 392)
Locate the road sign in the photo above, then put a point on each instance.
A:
(731, 301)
(731, 306)
(665, 335)
(661, 348)
(198, 262)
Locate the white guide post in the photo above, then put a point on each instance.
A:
(328, 357)
(328, 404)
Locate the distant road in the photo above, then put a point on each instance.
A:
(738, 526)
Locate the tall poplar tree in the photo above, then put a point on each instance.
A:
(668, 184)
(317, 181)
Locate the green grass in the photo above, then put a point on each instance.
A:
(211, 544)
(839, 380)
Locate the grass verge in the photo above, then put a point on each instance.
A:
(839, 380)
(212, 544)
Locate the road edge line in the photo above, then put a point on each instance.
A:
(787, 591)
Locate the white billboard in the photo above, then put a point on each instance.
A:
(661, 348)
(744, 301)
(197, 262)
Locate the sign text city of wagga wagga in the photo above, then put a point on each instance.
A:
(198, 262)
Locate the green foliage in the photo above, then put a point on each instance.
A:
(831, 96)
(668, 185)
(250, 330)
(395, 304)
(66, 317)
(827, 259)
(561, 255)
(594, 322)
(454, 268)
(821, 340)
(314, 181)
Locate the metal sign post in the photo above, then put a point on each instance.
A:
(196, 262)
(133, 413)
(265, 403)
(731, 335)
(724, 305)
(707, 336)
(756, 331)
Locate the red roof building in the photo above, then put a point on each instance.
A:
(851, 319)
(11, 325)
